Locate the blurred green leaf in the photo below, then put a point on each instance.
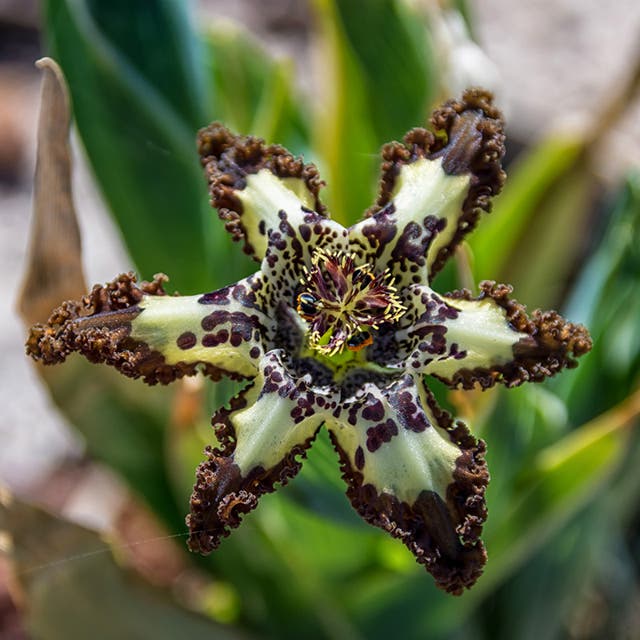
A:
(255, 93)
(343, 134)
(391, 46)
(378, 83)
(76, 589)
(554, 485)
(606, 299)
(530, 179)
(319, 488)
(547, 254)
(123, 423)
(175, 70)
(140, 144)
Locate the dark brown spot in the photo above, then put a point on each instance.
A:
(359, 458)
(410, 411)
(373, 411)
(305, 232)
(381, 433)
(220, 297)
(187, 340)
(214, 339)
(412, 244)
(228, 159)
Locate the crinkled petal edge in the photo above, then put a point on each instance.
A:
(228, 158)
(105, 316)
(221, 495)
(427, 521)
(551, 345)
(466, 144)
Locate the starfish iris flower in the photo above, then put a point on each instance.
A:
(340, 328)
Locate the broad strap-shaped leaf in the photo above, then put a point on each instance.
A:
(433, 189)
(266, 427)
(136, 114)
(255, 186)
(487, 339)
(413, 472)
(145, 333)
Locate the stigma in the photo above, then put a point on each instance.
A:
(344, 303)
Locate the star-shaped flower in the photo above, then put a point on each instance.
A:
(339, 327)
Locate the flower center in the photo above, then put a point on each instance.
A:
(343, 302)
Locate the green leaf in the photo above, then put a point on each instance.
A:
(606, 299)
(158, 40)
(555, 485)
(391, 46)
(343, 133)
(139, 142)
(532, 176)
(319, 489)
(377, 85)
(124, 424)
(256, 93)
(547, 254)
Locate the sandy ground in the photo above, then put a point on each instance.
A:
(557, 59)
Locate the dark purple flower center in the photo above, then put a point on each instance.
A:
(344, 302)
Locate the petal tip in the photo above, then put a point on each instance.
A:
(228, 158)
(467, 137)
(222, 495)
(442, 533)
(52, 341)
(549, 345)
(99, 327)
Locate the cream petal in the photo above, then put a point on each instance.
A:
(268, 426)
(433, 189)
(252, 183)
(413, 472)
(145, 333)
(487, 339)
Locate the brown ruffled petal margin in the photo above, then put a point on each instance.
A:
(221, 495)
(468, 135)
(552, 343)
(99, 325)
(228, 158)
(443, 536)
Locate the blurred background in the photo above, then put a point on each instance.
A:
(95, 471)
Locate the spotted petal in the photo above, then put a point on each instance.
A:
(255, 185)
(433, 188)
(413, 472)
(465, 340)
(270, 423)
(145, 333)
